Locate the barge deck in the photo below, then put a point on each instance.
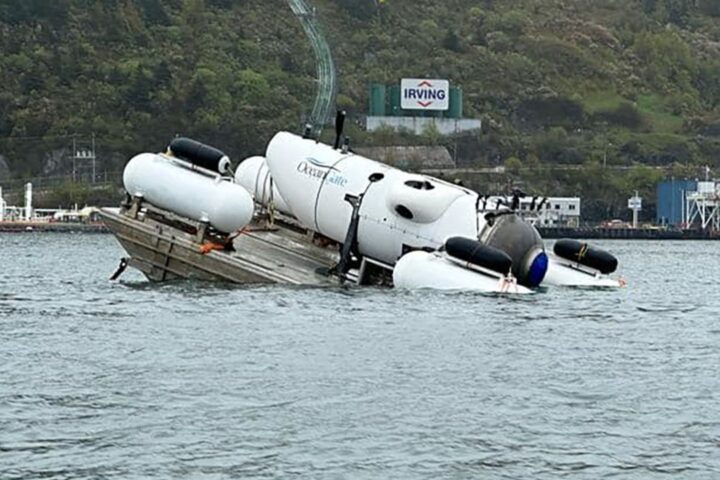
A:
(164, 246)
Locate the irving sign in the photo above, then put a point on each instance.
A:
(424, 94)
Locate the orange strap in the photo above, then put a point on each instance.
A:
(210, 246)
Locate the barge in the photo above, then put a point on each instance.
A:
(272, 249)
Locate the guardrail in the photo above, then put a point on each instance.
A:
(326, 74)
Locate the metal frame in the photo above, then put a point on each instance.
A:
(704, 208)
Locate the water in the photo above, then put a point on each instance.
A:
(132, 380)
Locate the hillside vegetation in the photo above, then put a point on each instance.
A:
(557, 82)
(135, 73)
(557, 79)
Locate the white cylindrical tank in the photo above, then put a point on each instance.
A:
(254, 176)
(432, 270)
(167, 184)
(28, 202)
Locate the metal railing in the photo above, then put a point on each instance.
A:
(326, 75)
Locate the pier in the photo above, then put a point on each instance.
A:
(57, 227)
(626, 233)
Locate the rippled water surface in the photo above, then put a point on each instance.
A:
(134, 380)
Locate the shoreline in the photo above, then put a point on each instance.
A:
(546, 233)
(626, 234)
(52, 227)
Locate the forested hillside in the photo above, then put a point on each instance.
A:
(573, 82)
(137, 72)
(559, 80)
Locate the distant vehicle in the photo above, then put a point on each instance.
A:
(615, 223)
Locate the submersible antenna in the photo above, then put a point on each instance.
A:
(339, 126)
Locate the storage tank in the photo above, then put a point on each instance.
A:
(377, 100)
(200, 196)
(455, 109)
(254, 176)
(394, 94)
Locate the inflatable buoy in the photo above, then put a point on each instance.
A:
(584, 254)
(472, 251)
(200, 154)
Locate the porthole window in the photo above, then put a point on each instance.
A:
(404, 212)
(420, 184)
(376, 177)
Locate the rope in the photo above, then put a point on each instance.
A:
(583, 251)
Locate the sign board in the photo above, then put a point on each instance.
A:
(635, 203)
(424, 94)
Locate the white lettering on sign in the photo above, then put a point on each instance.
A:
(424, 94)
(635, 203)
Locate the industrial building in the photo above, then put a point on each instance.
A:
(671, 201)
(689, 204)
(555, 211)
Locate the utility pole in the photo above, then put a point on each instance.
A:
(608, 145)
(74, 156)
(94, 173)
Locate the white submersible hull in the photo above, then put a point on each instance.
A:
(418, 231)
(386, 213)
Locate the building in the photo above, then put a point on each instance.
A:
(554, 212)
(689, 204)
(419, 125)
(671, 201)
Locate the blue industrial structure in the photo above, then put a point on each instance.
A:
(671, 201)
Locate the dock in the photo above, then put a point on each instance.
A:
(57, 227)
(553, 233)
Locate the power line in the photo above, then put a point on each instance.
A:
(39, 137)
